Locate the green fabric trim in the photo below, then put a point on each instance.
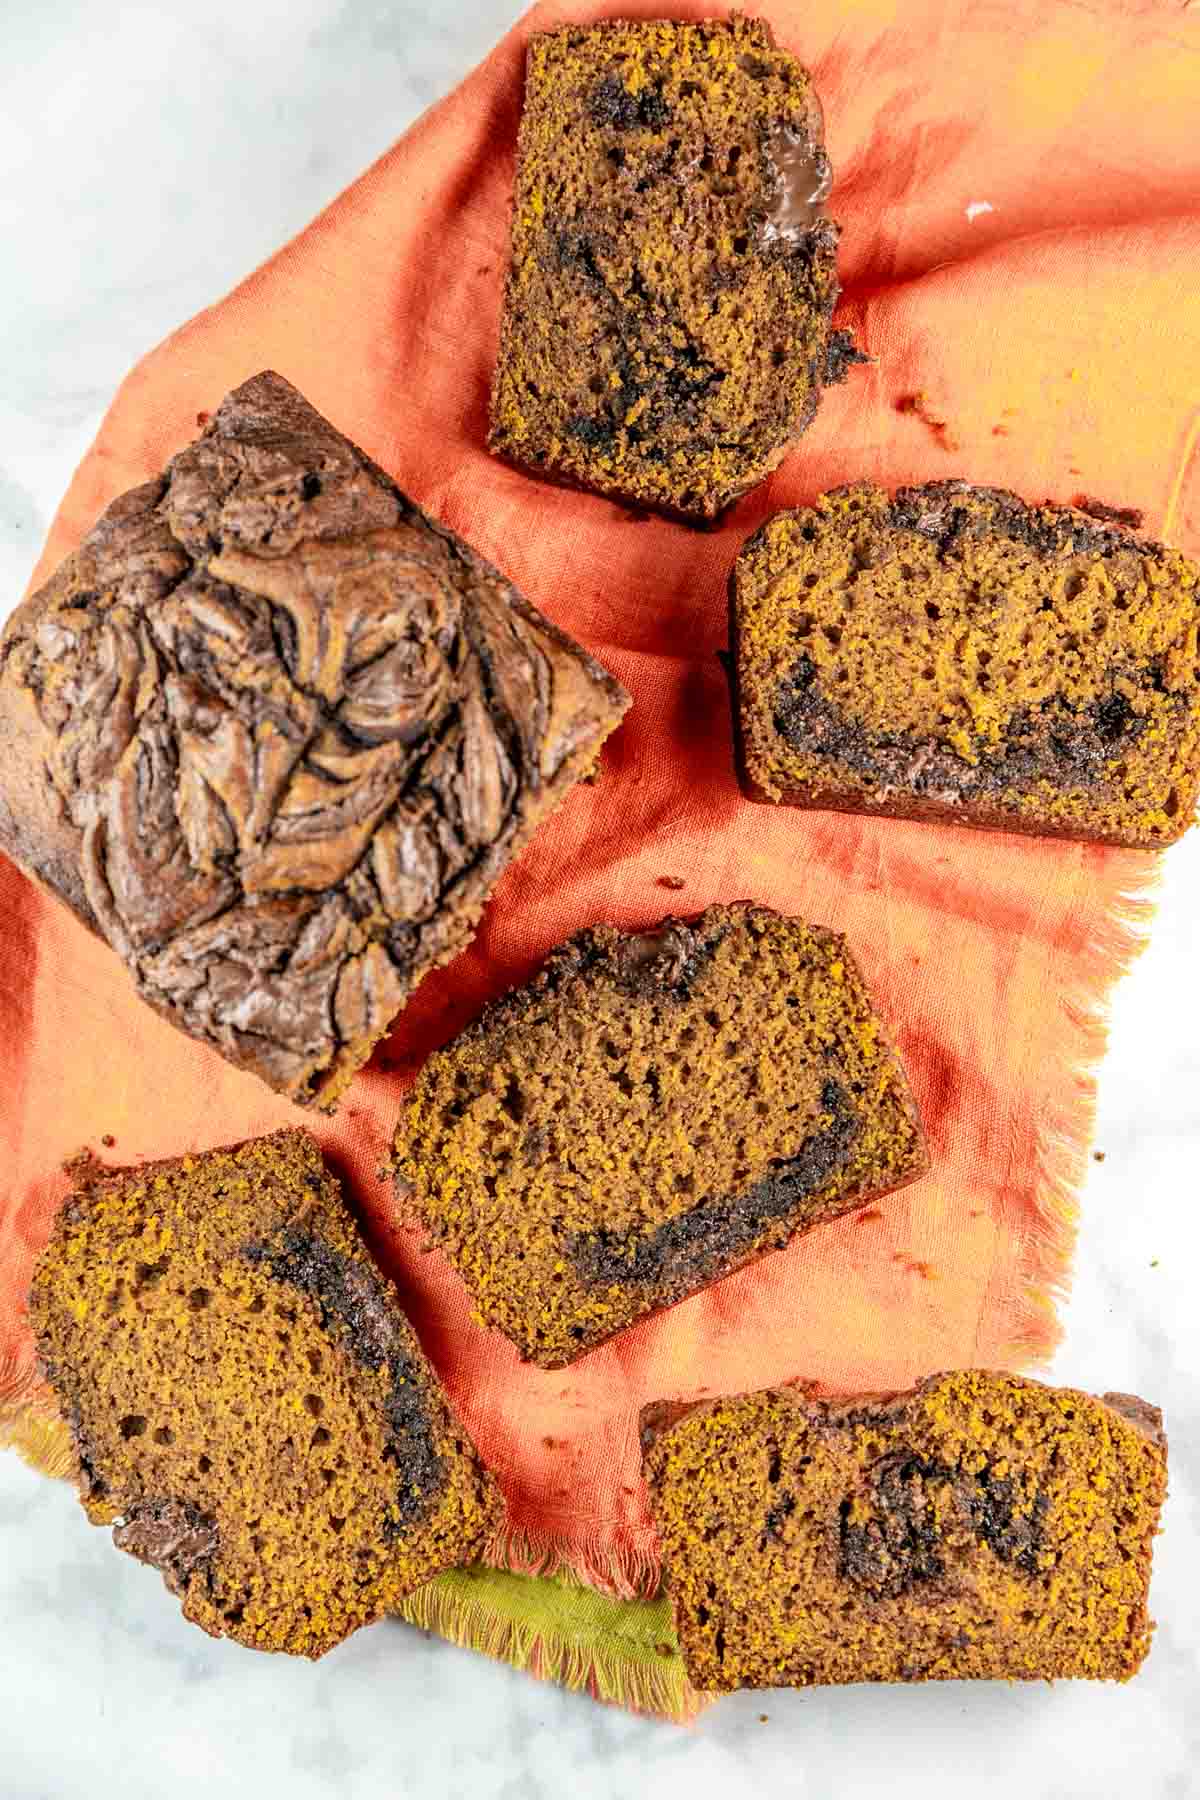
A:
(623, 1651)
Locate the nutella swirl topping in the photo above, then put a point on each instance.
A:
(803, 179)
(290, 717)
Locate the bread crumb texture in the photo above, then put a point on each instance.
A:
(983, 1525)
(955, 653)
(654, 1110)
(666, 320)
(250, 1408)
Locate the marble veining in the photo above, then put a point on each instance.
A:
(121, 217)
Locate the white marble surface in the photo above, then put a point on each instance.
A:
(149, 156)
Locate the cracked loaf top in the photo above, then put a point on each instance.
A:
(274, 735)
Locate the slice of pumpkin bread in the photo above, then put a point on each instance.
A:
(250, 1408)
(666, 330)
(952, 653)
(981, 1525)
(652, 1111)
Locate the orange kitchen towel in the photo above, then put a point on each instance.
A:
(1018, 185)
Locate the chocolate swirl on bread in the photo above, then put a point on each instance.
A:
(274, 734)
